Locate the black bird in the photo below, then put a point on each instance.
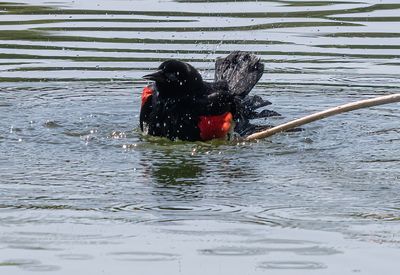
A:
(180, 105)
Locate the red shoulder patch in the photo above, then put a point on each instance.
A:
(215, 126)
(146, 93)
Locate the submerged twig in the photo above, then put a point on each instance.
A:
(327, 113)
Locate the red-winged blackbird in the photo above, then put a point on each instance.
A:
(180, 105)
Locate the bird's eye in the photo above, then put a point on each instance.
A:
(171, 76)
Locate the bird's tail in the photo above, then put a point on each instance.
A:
(241, 71)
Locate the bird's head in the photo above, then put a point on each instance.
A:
(175, 79)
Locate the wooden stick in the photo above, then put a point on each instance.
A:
(324, 114)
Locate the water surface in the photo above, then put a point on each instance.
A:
(82, 191)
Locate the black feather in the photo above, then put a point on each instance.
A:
(239, 72)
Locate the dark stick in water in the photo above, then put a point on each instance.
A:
(324, 114)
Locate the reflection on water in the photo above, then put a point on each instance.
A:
(95, 41)
(81, 188)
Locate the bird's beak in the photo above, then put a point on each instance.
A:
(156, 76)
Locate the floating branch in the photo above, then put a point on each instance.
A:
(324, 114)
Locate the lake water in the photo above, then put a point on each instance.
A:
(83, 192)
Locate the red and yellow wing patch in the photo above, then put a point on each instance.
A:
(217, 126)
(146, 93)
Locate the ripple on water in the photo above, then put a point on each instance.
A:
(128, 43)
(175, 213)
(294, 216)
(75, 257)
(51, 124)
(40, 268)
(234, 251)
(263, 247)
(19, 262)
(299, 247)
(144, 256)
(291, 265)
(29, 265)
(179, 209)
(33, 247)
